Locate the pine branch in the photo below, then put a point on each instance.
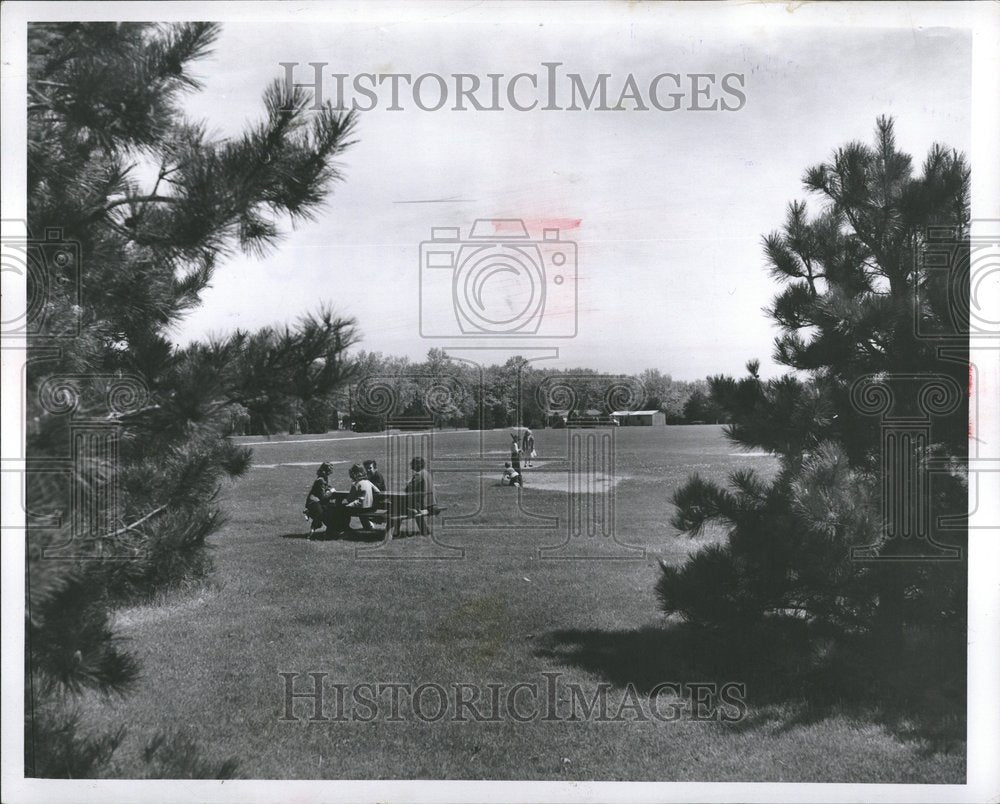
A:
(144, 199)
(138, 522)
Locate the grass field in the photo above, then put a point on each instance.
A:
(490, 600)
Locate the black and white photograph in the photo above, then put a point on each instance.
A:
(455, 401)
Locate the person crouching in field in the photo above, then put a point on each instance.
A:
(361, 498)
(511, 477)
(318, 498)
(420, 494)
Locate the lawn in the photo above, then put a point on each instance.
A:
(510, 587)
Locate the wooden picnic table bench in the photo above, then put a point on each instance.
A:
(393, 508)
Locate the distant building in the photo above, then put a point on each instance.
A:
(590, 417)
(639, 418)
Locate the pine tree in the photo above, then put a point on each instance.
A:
(865, 320)
(131, 208)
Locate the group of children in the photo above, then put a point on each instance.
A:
(325, 508)
(523, 446)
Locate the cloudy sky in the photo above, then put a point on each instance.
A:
(666, 208)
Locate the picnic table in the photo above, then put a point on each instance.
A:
(393, 508)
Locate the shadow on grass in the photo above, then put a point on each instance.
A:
(794, 676)
(355, 536)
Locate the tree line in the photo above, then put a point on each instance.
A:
(377, 390)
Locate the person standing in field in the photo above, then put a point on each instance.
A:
(528, 446)
(515, 452)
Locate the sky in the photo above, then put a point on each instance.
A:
(666, 209)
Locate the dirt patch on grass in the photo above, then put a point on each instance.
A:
(561, 481)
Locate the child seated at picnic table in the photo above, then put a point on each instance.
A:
(318, 498)
(374, 475)
(511, 476)
(362, 497)
(420, 495)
